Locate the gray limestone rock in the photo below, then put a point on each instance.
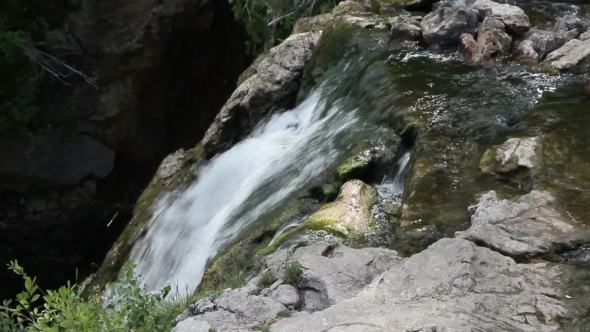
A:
(273, 86)
(570, 22)
(544, 42)
(512, 155)
(192, 325)
(524, 51)
(575, 54)
(515, 19)
(286, 295)
(446, 25)
(492, 41)
(585, 36)
(453, 285)
(527, 227)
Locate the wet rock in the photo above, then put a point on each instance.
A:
(349, 7)
(286, 295)
(349, 215)
(570, 22)
(524, 51)
(544, 42)
(492, 41)
(513, 154)
(454, 285)
(575, 54)
(528, 227)
(515, 19)
(467, 44)
(445, 25)
(405, 27)
(274, 85)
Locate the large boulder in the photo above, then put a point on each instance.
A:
(492, 41)
(405, 27)
(446, 25)
(515, 19)
(544, 42)
(528, 227)
(574, 55)
(273, 85)
(569, 23)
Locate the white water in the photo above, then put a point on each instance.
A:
(237, 187)
(393, 189)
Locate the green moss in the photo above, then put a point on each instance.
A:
(353, 168)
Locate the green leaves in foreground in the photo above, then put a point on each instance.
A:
(128, 308)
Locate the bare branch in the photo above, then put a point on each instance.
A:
(54, 66)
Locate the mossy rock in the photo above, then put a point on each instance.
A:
(175, 172)
(355, 167)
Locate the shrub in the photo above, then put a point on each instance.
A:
(292, 273)
(268, 22)
(266, 279)
(263, 326)
(286, 313)
(127, 307)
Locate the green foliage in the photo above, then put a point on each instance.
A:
(212, 329)
(292, 273)
(263, 326)
(128, 308)
(266, 279)
(269, 22)
(23, 22)
(286, 313)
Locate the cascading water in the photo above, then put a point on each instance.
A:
(235, 189)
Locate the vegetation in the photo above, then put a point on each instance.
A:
(269, 22)
(22, 24)
(263, 326)
(128, 308)
(266, 279)
(286, 313)
(292, 273)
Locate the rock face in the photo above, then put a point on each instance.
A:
(492, 41)
(273, 85)
(92, 149)
(575, 54)
(453, 285)
(515, 19)
(529, 227)
(445, 25)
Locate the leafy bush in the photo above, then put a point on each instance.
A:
(268, 22)
(128, 308)
(292, 273)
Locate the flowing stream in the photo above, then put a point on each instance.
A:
(236, 188)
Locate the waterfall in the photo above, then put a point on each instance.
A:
(236, 188)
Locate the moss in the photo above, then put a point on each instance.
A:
(353, 168)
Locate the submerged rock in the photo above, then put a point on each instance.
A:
(515, 19)
(512, 155)
(528, 227)
(445, 25)
(492, 41)
(575, 54)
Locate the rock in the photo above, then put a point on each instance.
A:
(585, 36)
(545, 42)
(515, 19)
(575, 54)
(529, 227)
(350, 215)
(492, 41)
(273, 86)
(39, 161)
(524, 51)
(333, 273)
(453, 285)
(243, 304)
(513, 154)
(286, 295)
(348, 7)
(570, 22)
(467, 44)
(445, 25)
(405, 27)
(192, 325)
